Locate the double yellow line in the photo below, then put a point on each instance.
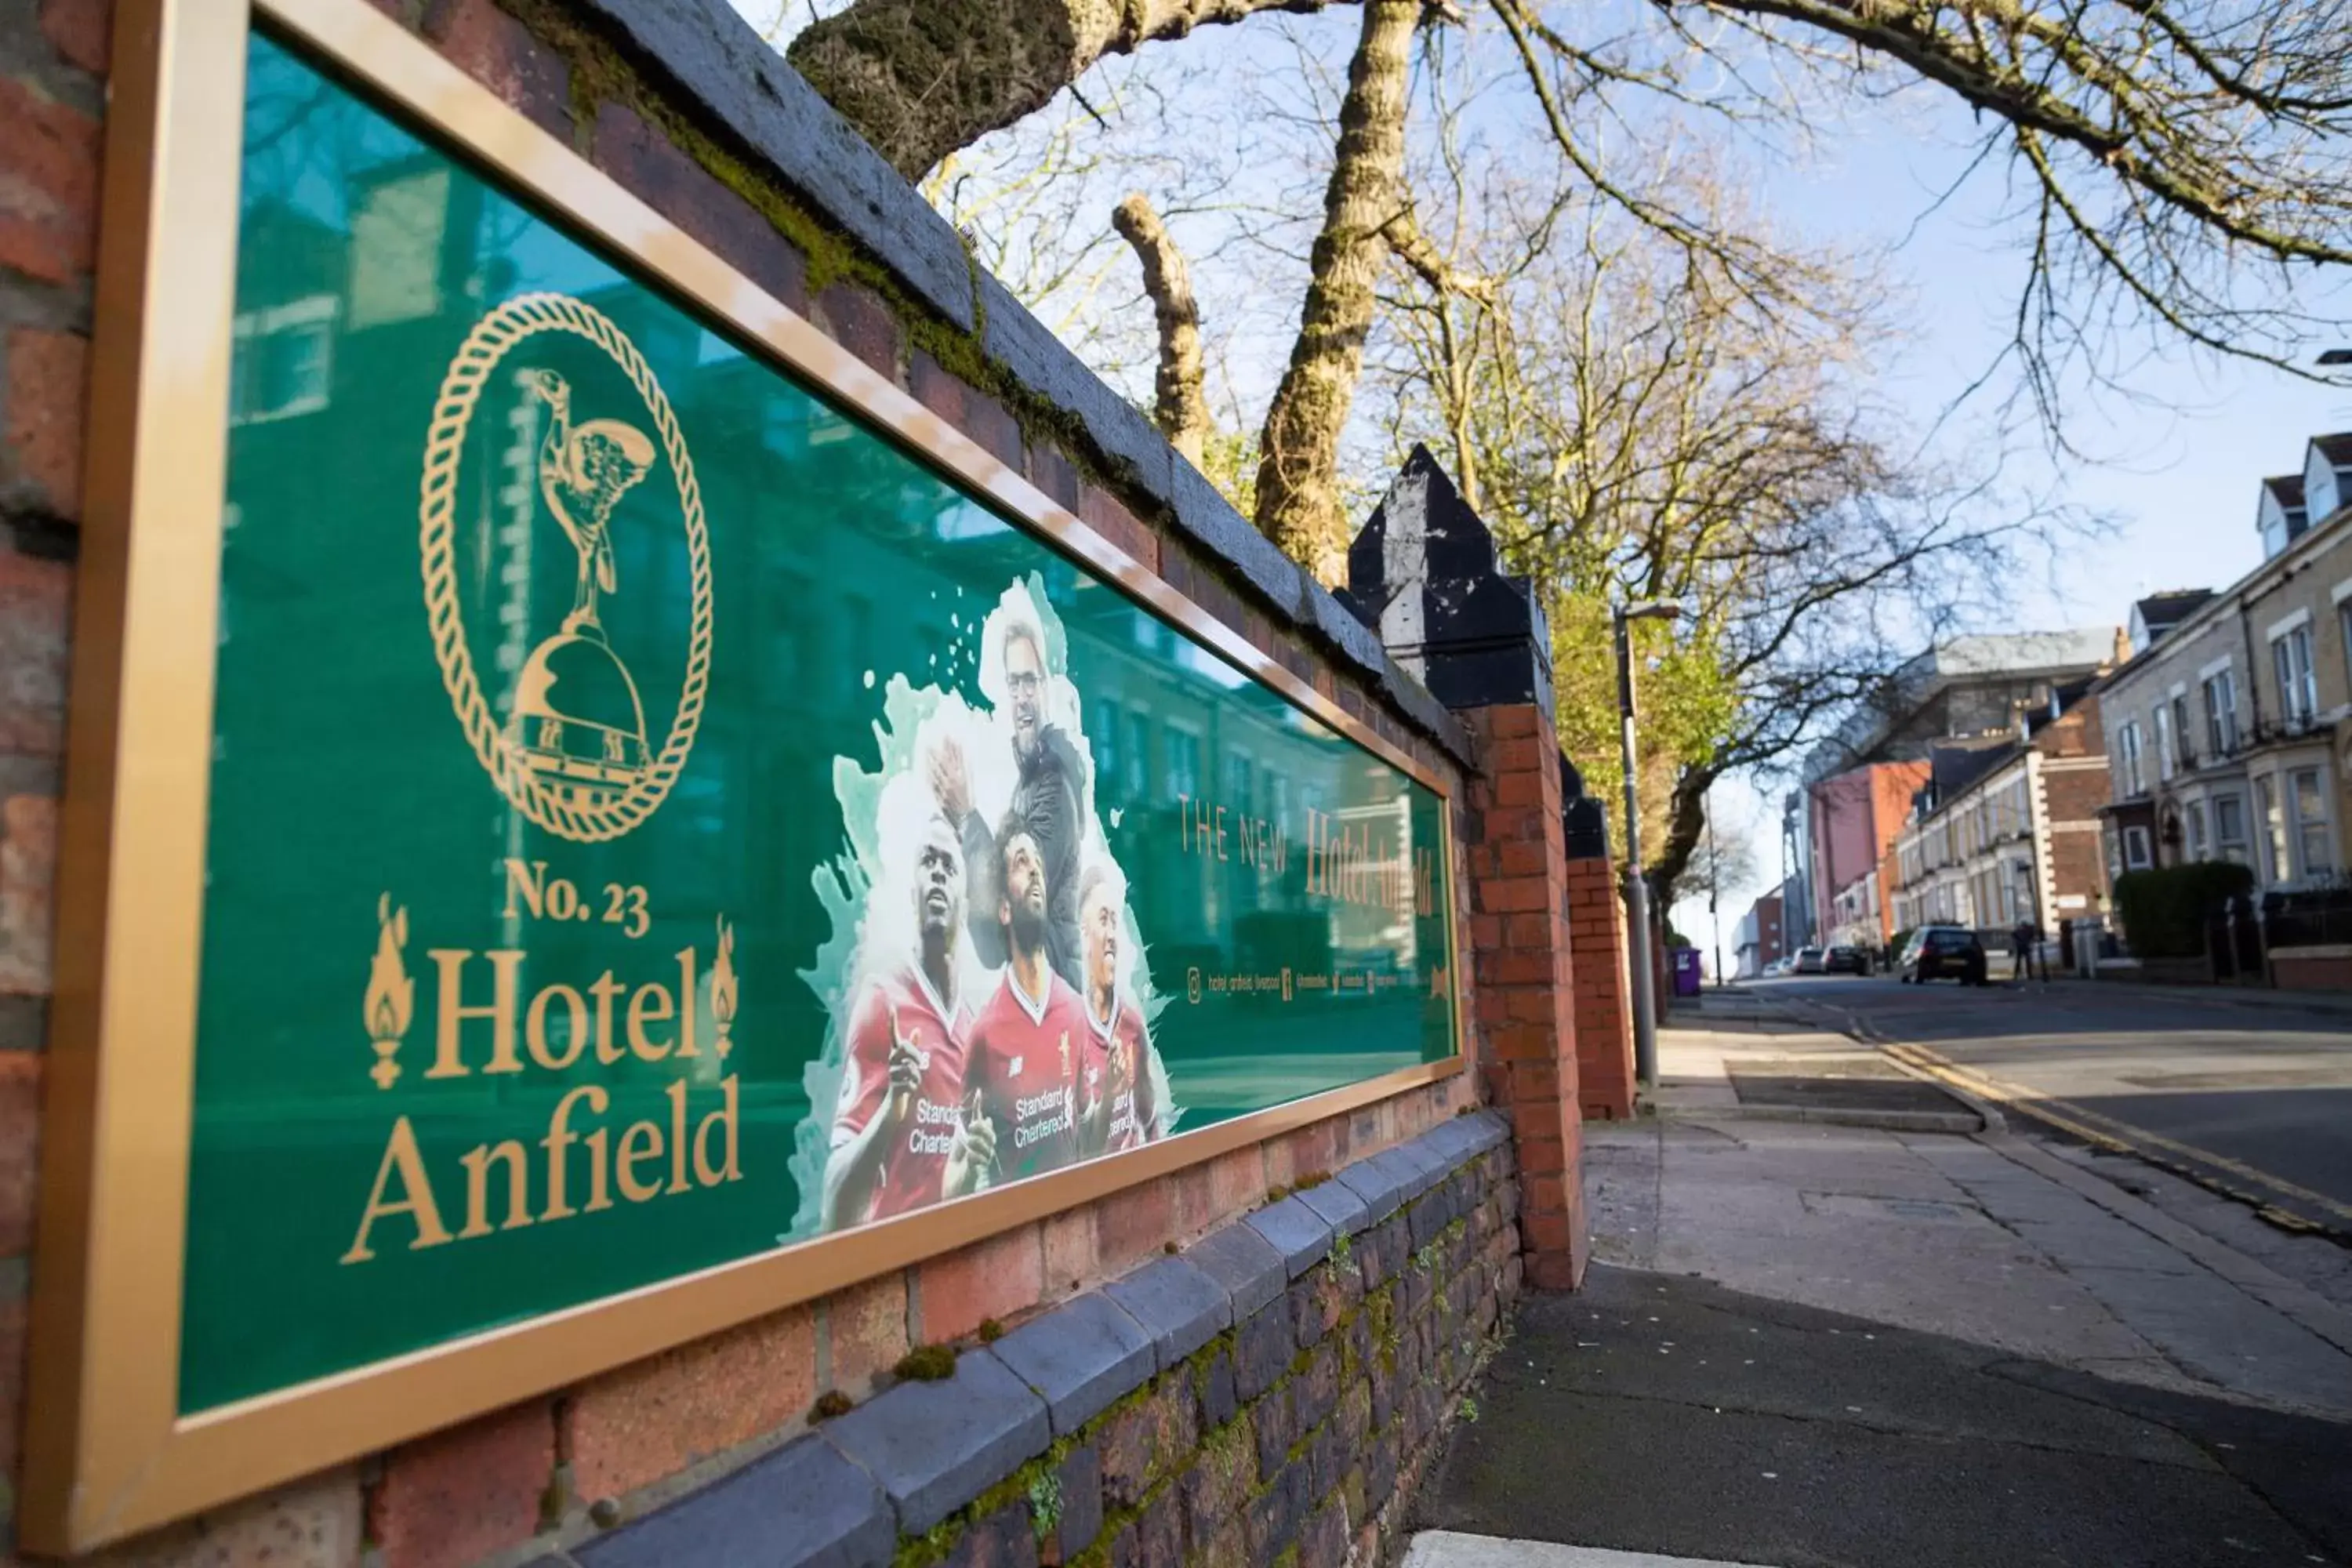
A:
(2106, 1133)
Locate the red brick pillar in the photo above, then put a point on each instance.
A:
(1423, 573)
(1519, 936)
(1603, 1009)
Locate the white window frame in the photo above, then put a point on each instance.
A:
(2128, 755)
(2138, 854)
(2298, 827)
(2192, 815)
(313, 319)
(2344, 625)
(2298, 683)
(2271, 825)
(2233, 848)
(2166, 763)
(2221, 718)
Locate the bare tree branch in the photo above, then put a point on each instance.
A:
(1179, 406)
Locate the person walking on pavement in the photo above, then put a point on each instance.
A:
(2022, 941)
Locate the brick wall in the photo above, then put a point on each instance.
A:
(678, 101)
(1604, 1006)
(1520, 948)
(2077, 859)
(2312, 968)
(51, 102)
(1269, 1395)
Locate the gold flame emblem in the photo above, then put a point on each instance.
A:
(722, 985)
(390, 995)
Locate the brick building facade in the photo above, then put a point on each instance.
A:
(2009, 830)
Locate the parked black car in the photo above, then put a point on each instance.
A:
(1847, 960)
(1941, 952)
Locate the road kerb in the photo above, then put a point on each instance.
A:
(2105, 1132)
(2290, 1299)
(1985, 1109)
(1964, 1124)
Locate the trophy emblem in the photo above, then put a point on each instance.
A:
(577, 720)
(573, 752)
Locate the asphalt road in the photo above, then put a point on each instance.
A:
(2254, 1094)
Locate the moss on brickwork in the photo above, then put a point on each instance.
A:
(931, 1547)
(601, 74)
(1225, 1455)
(927, 1363)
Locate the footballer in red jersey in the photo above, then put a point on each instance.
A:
(1026, 1050)
(1118, 1085)
(901, 1098)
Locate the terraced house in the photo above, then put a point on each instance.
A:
(2225, 728)
(2006, 826)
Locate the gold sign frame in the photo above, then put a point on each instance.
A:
(107, 1454)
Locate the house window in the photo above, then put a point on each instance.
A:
(1238, 782)
(1183, 764)
(2220, 714)
(2313, 857)
(2136, 853)
(2266, 804)
(2193, 815)
(1139, 754)
(2298, 691)
(2164, 757)
(280, 361)
(1103, 721)
(2127, 756)
(2344, 623)
(2230, 828)
(2184, 754)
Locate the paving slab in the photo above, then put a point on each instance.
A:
(1451, 1548)
(1851, 1219)
(1821, 1439)
(2216, 1331)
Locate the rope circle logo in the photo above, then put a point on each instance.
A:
(573, 754)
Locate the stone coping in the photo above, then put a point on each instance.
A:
(913, 1456)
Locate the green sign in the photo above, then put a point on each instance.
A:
(656, 820)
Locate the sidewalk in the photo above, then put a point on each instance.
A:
(2332, 1004)
(1806, 1344)
(1733, 1055)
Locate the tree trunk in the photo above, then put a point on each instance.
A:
(1179, 408)
(1686, 824)
(921, 78)
(1297, 476)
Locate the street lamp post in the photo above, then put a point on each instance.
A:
(1645, 1000)
(1714, 885)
